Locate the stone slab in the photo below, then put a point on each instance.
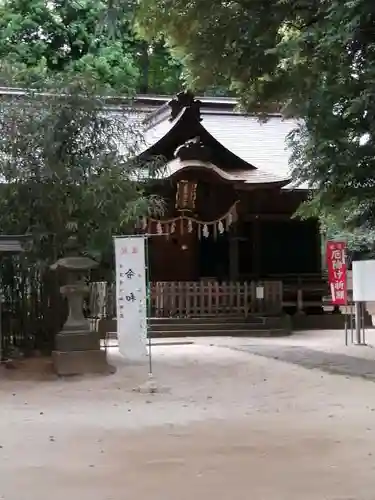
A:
(77, 327)
(321, 321)
(80, 362)
(77, 341)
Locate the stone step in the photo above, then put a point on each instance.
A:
(189, 327)
(170, 327)
(323, 322)
(264, 332)
(196, 324)
(209, 320)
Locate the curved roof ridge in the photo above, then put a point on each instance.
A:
(243, 177)
(201, 131)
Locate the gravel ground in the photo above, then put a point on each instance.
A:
(225, 424)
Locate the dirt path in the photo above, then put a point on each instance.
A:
(230, 426)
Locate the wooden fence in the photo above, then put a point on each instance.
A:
(196, 298)
(200, 298)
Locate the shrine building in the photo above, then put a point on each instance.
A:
(227, 242)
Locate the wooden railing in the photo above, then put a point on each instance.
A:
(200, 298)
(210, 297)
(301, 292)
(304, 292)
(194, 298)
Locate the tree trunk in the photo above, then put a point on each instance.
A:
(145, 68)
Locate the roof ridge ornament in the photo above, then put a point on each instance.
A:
(183, 100)
(193, 149)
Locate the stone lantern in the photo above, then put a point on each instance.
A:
(77, 347)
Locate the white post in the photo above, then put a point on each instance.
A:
(357, 313)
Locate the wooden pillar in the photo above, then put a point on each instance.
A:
(256, 235)
(320, 250)
(256, 239)
(233, 256)
(299, 299)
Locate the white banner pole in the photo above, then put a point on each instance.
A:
(148, 309)
(131, 296)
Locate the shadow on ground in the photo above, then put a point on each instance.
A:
(330, 362)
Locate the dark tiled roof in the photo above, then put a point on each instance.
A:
(259, 143)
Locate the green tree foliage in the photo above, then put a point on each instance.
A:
(41, 40)
(67, 167)
(314, 60)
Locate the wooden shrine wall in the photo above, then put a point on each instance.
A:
(265, 242)
(273, 243)
(175, 258)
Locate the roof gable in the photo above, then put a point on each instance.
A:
(167, 138)
(242, 142)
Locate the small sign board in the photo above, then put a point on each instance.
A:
(364, 280)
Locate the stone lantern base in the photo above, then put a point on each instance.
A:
(79, 353)
(77, 347)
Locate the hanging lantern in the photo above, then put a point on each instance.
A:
(186, 195)
(190, 226)
(173, 227)
(220, 227)
(206, 232)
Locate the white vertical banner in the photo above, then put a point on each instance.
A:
(131, 296)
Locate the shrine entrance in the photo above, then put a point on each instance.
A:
(173, 257)
(192, 242)
(214, 257)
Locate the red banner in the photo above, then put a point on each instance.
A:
(337, 271)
